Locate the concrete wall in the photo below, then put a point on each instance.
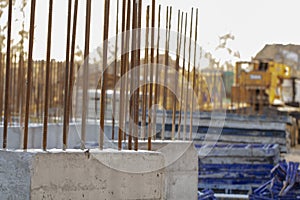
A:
(78, 175)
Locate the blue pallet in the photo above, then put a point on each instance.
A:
(284, 183)
(236, 176)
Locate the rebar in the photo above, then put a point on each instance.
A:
(132, 77)
(115, 73)
(127, 44)
(138, 57)
(29, 73)
(71, 79)
(104, 77)
(7, 78)
(183, 79)
(188, 77)
(157, 86)
(165, 91)
(122, 87)
(194, 76)
(176, 78)
(66, 86)
(145, 76)
(86, 72)
(151, 75)
(47, 75)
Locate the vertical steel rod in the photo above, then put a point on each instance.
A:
(183, 79)
(188, 77)
(151, 74)
(145, 75)
(132, 77)
(71, 83)
(157, 86)
(127, 41)
(122, 87)
(194, 76)
(47, 75)
(86, 72)
(7, 78)
(165, 74)
(176, 78)
(138, 57)
(66, 92)
(104, 77)
(115, 73)
(29, 73)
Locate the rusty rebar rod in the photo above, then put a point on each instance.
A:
(85, 72)
(194, 76)
(66, 82)
(127, 42)
(188, 77)
(104, 77)
(176, 78)
(7, 76)
(151, 75)
(127, 67)
(145, 76)
(157, 86)
(47, 75)
(29, 73)
(115, 74)
(138, 57)
(132, 76)
(71, 83)
(183, 79)
(178, 71)
(122, 87)
(165, 74)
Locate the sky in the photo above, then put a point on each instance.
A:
(254, 23)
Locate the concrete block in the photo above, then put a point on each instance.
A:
(181, 168)
(81, 175)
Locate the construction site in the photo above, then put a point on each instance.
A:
(120, 100)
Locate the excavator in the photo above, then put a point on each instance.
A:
(259, 82)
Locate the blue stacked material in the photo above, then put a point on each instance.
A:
(206, 195)
(238, 167)
(284, 183)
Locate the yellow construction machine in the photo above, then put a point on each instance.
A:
(259, 82)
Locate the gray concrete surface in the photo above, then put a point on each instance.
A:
(77, 175)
